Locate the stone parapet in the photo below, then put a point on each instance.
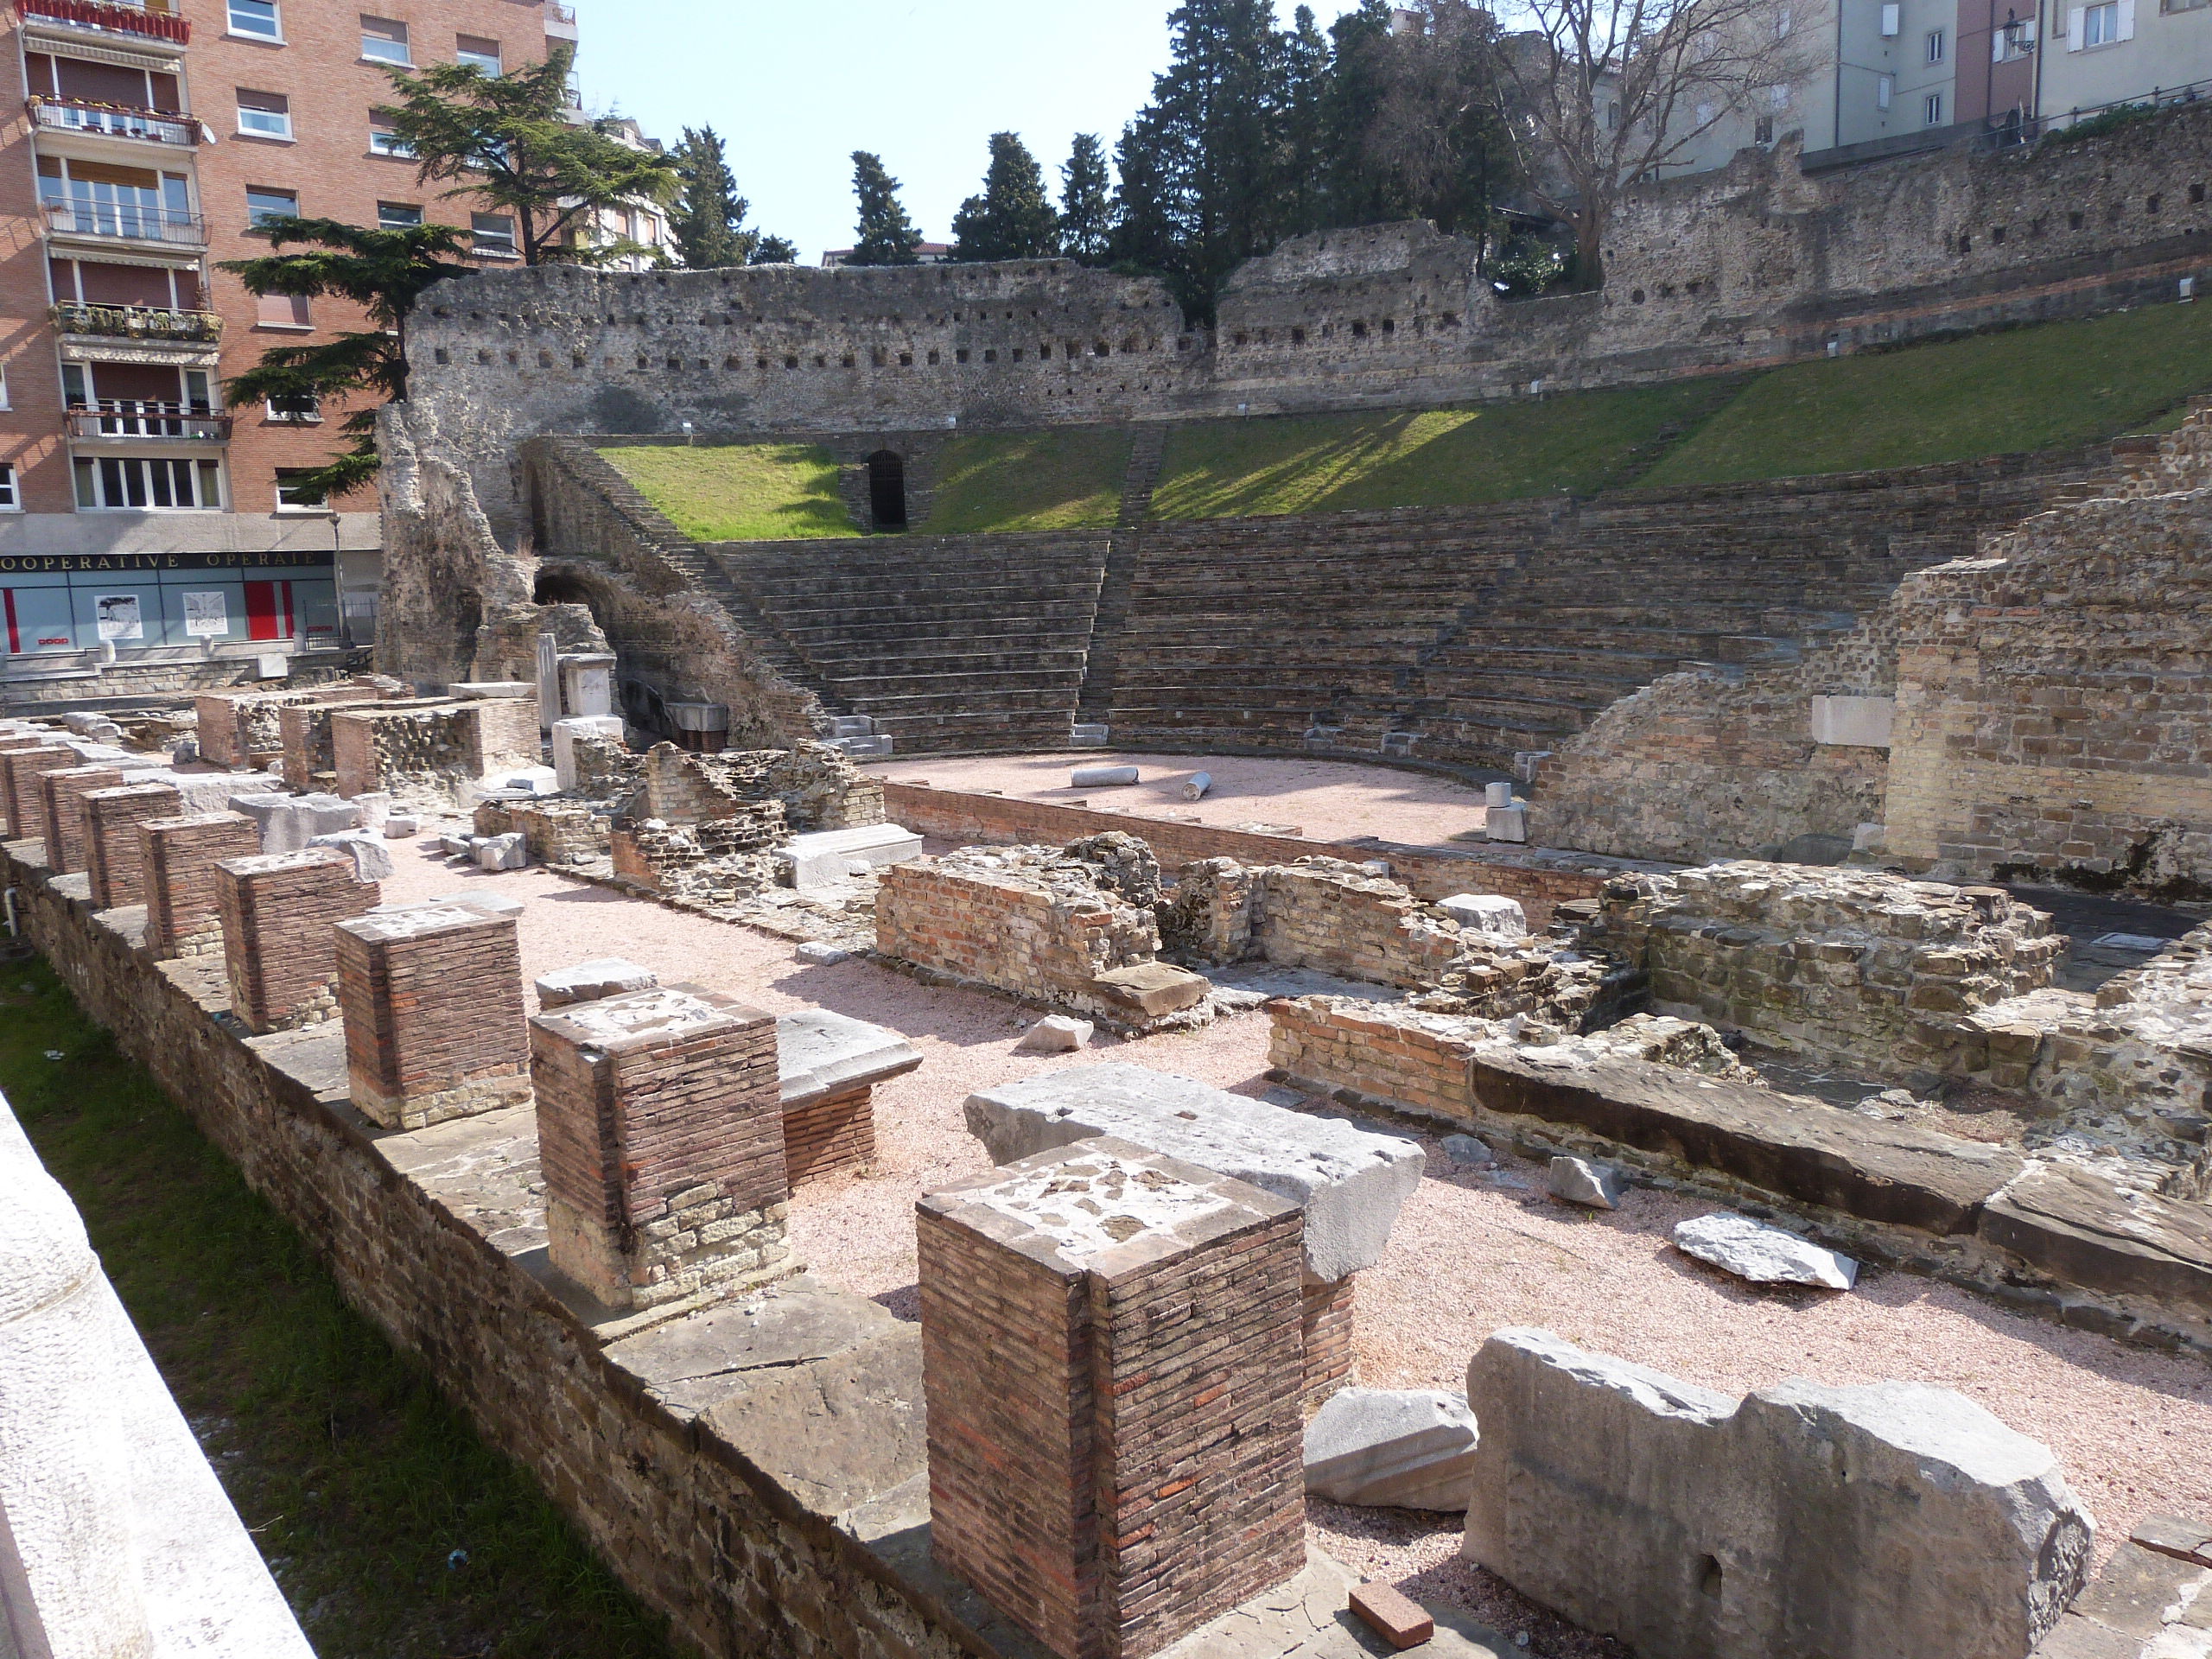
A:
(433, 1005)
(113, 860)
(176, 860)
(280, 948)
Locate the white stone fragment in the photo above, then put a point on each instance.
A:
(1468, 1150)
(400, 827)
(1055, 1033)
(1392, 1448)
(819, 955)
(1506, 823)
(1577, 1180)
(492, 904)
(1764, 1256)
(827, 857)
(290, 822)
(593, 981)
(1489, 913)
(371, 860)
(1498, 794)
(1101, 777)
(1196, 785)
(1856, 722)
(530, 780)
(507, 852)
(567, 733)
(819, 1053)
(1351, 1184)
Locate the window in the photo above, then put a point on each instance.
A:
(2183, 5)
(382, 141)
(383, 41)
(4, 403)
(1763, 130)
(289, 488)
(399, 216)
(2104, 25)
(494, 236)
(265, 115)
(1931, 111)
(127, 483)
(9, 500)
(1777, 97)
(478, 53)
(302, 409)
(2016, 40)
(262, 205)
(1937, 45)
(283, 311)
(1883, 87)
(256, 18)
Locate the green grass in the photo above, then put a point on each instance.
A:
(1068, 478)
(740, 491)
(2051, 386)
(360, 1481)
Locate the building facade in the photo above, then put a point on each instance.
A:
(148, 539)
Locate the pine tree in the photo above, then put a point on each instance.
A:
(1306, 92)
(888, 236)
(709, 223)
(1145, 234)
(1013, 219)
(774, 250)
(1086, 202)
(1360, 190)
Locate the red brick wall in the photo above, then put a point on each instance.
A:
(824, 1136)
(64, 792)
(434, 1014)
(13, 746)
(177, 856)
(1391, 1054)
(26, 800)
(112, 854)
(279, 944)
(1324, 1322)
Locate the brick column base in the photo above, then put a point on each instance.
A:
(835, 1133)
(176, 860)
(1326, 1322)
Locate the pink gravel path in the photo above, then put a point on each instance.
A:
(1329, 800)
(2132, 1428)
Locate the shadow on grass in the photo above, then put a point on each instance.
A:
(395, 1531)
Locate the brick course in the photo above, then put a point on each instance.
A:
(661, 1133)
(826, 1137)
(111, 848)
(177, 859)
(433, 1004)
(279, 948)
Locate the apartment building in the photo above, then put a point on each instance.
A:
(147, 539)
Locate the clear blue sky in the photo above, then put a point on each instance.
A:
(795, 88)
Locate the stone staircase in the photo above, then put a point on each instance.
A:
(1147, 453)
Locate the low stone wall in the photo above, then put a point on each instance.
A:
(1322, 913)
(1537, 879)
(242, 728)
(431, 745)
(820, 788)
(706, 1480)
(555, 831)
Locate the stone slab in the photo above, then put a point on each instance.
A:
(1351, 1184)
(1392, 1448)
(1855, 723)
(838, 1431)
(1149, 990)
(1055, 1033)
(1798, 1147)
(1489, 913)
(1310, 1617)
(483, 898)
(696, 1362)
(1764, 1254)
(1579, 1180)
(820, 1053)
(2181, 1536)
(831, 858)
(2075, 1226)
(589, 981)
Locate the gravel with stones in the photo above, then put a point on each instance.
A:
(1475, 1249)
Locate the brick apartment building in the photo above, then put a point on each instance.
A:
(146, 540)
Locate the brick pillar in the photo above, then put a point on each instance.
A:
(63, 819)
(432, 996)
(176, 861)
(835, 1133)
(1325, 1321)
(26, 800)
(660, 1130)
(279, 943)
(1110, 1349)
(112, 851)
(13, 744)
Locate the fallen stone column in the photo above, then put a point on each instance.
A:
(1801, 1522)
(279, 910)
(63, 818)
(113, 860)
(176, 861)
(432, 998)
(1111, 1352)
(827, 1067)
(1349, 1183)
(660, 1130)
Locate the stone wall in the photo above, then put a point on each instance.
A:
(820, 788)
(439, 746)
(1322, 913)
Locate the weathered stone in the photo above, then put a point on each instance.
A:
(1764, 1256)
(1407, 1449)
(2074, 1224)
(507, 852)
(289, 824)
(819, 955)
(819, 1053)
(1507, 823)
(1055, 1033)
(371, 860)
(589, 982)
(1351, 1184)
(1196, 785)
(1101, 777)
(1801, 1522)
(1152, 988)
(833, 857)
(496, 904)
(1577, 1180)
(1468, 1150)
(1486, 912)
(566, 735)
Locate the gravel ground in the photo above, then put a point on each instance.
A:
(1474, 1250)
(1326, 800)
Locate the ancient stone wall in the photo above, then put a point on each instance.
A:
(438, 746)
(820, 787)
(1320, 912)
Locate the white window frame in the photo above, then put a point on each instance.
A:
(1931, 110)
(293, 508)
(2111, 22)
(1939, 45)
(98, 463)
(311, 416)
(252, 212)
(281, 120)
(12, 494)
(492, 63)
(1884, 88)
(384, 141)
(405, 60)
(494, 247)
(414, 224)
(275, 33)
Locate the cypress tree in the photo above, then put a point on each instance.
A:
(1086, 202)
(707, 224)
(1013, 219)
(888, 236)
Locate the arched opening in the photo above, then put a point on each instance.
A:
(887, 490)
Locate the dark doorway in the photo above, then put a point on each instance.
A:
(887, 490)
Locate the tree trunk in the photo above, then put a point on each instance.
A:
(1589, 251)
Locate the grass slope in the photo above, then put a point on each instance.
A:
(1582, 441)
(2054, 385)
(739, 492)
(1069, 478)
(395, 1533)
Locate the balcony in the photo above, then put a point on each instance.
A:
(560, 21)
(124, 222)
(137, 322)
(110, 18)
(140, 421)
(112, 121)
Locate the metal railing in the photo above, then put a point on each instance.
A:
(137, 322)
(112, 16)
(558, 13)
(111, 120)
(129, 418)
(124, 219)
(2158, 97)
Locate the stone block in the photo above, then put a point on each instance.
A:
(1351, 1184)
(371, 859)
(402, 827)
(1498, 794)
(1148, 990)
(1578, 1181)
(486, 690)
(831, 858)
(1392, 1448)
(1055, 1033)
(1506, 823)
(432, 998)
(816, 954)
(1762, 1255)
(289, 824)
(592, 982)
(507, 852)
(1801, 1522)
(588, 685)
(1856, 722)
(1490, 914)
(1101, 777)
(828, 1066)
(2074, 1224)
(525, 780)
(566, 733)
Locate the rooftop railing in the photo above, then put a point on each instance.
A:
(110, 16)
